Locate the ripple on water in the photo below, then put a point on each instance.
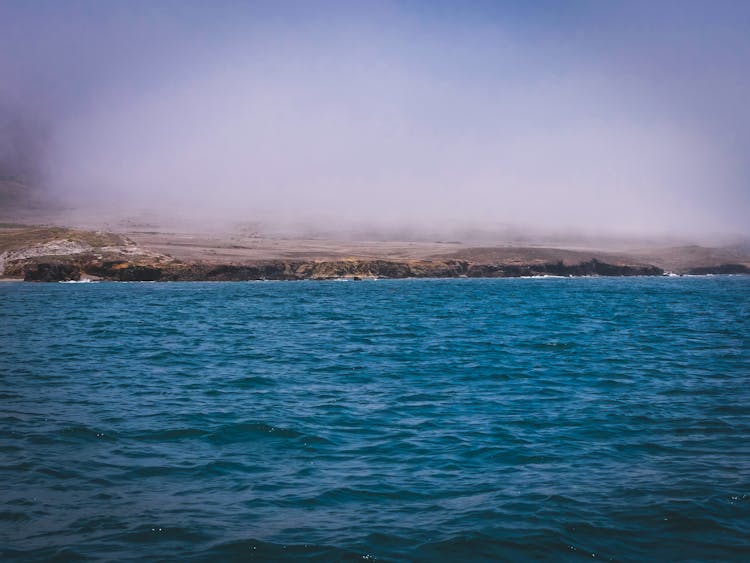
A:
(431, 420)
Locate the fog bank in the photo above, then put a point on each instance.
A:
(626, 119)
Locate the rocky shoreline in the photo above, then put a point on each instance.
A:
(54, 254)
(52, 271)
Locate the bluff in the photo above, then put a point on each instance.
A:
(121, 270)
(49, 254)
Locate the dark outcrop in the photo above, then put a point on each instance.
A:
(590, 268)
(119, 270)
(123, 271)
(319, 270)
(721, 269)
(52, 272)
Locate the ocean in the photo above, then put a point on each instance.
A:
(389, 420)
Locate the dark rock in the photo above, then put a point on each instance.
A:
(119, 270)
(590, 268)
(51, 272)
(722, 269)
(138, 273)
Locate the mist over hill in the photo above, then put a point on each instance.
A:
(487, 122)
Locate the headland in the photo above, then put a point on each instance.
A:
(54, 253)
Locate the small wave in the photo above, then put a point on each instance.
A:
(69, 434)
(252, 381)
(44, 554)
(13, 516)
(240, 550)
(553, 345)
(148, 533)
(358, 495)
(251, 431)
(171, 434)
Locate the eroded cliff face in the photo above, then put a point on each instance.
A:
(56, 270)
(61, 254)
(57, 254)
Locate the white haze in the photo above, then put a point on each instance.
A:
(384, 122)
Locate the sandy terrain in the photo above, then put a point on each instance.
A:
(236, 248)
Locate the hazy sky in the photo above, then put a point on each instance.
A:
(627, 117)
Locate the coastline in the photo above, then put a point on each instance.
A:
(320, 270)
(54, 254)
(86, 281)
(352, 270)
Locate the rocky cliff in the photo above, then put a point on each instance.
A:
(52, 269)
(56, 254)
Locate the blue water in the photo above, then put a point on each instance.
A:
(435, 420)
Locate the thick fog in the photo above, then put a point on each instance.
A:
(627, 118)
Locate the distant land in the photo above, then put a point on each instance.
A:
(36, 245)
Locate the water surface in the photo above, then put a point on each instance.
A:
(434, 420)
